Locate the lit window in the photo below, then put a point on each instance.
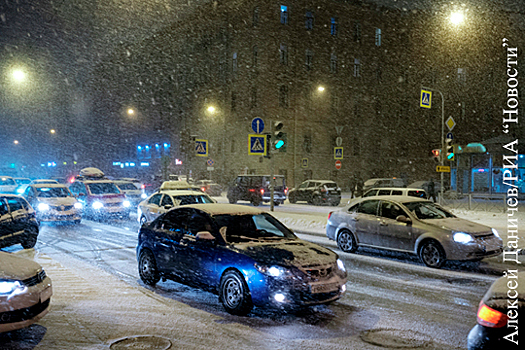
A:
(462, 75)
(357, 68)
(333, 26)
(284, 14)
(378, 36)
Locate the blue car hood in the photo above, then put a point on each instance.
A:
(287, 253)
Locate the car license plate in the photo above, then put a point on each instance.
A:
(46, 294)
(324, 287)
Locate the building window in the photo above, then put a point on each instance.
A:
(284, 14)
(308, 59)
(357, 31)
(378, 36)
(333, 63)
(234, 100)
(255, 56)
(283, 96)
(357, 68)
(255, 16)
(333, 26)
(283, 54)
(309, 21)
(462, 75)
(253, 99)
(335, 103)
(235, 66)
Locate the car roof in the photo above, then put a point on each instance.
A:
(221, 208)
(176, 193)
(39, 185)
(396, 188)
(399, 199)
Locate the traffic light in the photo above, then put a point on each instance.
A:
(279, 137)
(436, 154)
(449, 150)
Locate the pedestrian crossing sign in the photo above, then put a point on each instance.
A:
(338, 152)
(426, 99)
(257, 145)
(201, 148)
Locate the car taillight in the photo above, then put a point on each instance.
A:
(251, 190)
(262, 191)
(203, 189)
(489, 317)
(329, 214)
(286, 190)
(143, 186)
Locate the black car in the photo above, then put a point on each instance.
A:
(18, 223)
(316, 192)
(256, 189)
(243, 254)
(500, 312)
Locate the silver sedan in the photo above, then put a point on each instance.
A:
(411, 225)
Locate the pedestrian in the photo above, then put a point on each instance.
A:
(359, 187)
(352, 185)
(432, 190)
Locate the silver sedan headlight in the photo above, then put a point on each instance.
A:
(78, 205)
(462, 237)
(495, 232)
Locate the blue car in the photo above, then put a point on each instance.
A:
(243, 254)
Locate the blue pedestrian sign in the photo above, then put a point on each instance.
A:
(201, 148)
(256, 145)
(338, 152)
(257, 125)
(426, 99)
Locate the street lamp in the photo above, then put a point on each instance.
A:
(211, 109)
(457, 18)
(320, 88)
(19, 75)
(52, 131)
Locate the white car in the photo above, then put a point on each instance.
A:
(160, 202)
(133, 193)
(7, 184)
(25, 292)
(53, 202)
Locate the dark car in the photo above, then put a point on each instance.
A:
(412, 225)
(256, 189)
(18, 223)
(209, 187)
(316, 192)
(500, 312)
(243, 254)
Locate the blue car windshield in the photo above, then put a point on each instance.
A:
(428, 210)
(249, 228)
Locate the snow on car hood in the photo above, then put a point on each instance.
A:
(14, 267)
(287, 253)
(58, 200)
(458, 224)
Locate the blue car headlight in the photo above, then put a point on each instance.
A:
(462, 237)
(274, 270)
(43, 206)
(9, 287)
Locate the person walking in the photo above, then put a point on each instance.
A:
(432, 190)
(352, 185)
(359, 187)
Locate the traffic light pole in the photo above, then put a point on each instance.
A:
(443, 150)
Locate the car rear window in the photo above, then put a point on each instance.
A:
(127, 186)
(193, 199)
(331, 185)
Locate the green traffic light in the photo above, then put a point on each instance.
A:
(279, 144)
(450, 156)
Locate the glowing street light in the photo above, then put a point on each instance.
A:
(320, 88)
(456, 18)
(211, 109)
(15, 142)
(52, 131)
(19, 75)
(131, 111)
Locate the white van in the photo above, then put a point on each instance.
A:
(396, 191)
